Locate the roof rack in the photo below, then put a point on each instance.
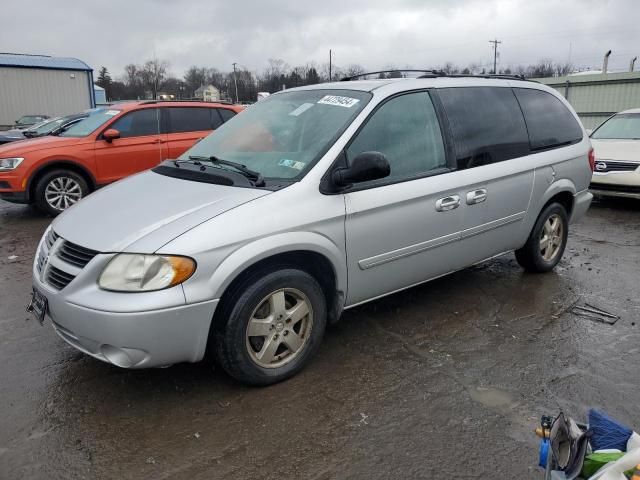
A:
(160, 100)
(426, 73)
(439, 73)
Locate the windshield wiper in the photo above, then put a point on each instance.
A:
(255, 177)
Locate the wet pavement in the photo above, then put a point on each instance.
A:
(446, 380)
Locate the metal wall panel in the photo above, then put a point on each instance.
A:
(30, 91)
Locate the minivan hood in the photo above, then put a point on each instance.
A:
(20, 147)
(624, 150)
(143, 212)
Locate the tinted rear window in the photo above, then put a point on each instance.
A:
(486, 124)
(549, 122)
(193, 119)
(226, 114)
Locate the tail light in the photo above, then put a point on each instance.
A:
(592, 160)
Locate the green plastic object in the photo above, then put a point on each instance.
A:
(595, 461)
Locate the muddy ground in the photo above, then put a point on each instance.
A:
(443, 381)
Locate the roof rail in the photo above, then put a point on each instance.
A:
(192, 100)
(440, 73)
(427, 73)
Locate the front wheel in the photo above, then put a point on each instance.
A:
(273, 327)
(57, 190)
(547, 241)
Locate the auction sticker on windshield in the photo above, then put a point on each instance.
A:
(339, 101)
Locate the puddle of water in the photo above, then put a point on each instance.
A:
(490, 397)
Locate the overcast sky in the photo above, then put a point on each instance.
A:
(373, 33)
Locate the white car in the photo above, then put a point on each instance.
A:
(616, 143)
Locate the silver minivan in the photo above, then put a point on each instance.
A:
(313, 201)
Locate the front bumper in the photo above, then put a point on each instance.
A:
(11, 188)
(131, 334)
(616, 184)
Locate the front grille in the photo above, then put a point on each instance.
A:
(616, 166)
(75, 254)
(57, 278)
(69, 253)
(615, 188)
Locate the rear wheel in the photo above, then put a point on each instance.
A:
(547, 241)
(57, 190)
(274, 326)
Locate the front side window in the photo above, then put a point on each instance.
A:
(406, 130)
(138, 123)
(486, 124)
(192, 119)
(549, 122)
(624, 126)
(282, 136)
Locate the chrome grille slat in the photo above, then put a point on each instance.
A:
(57, 278)
(75, 254)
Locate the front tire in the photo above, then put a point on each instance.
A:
(547, 241)
(57, 190)
(272, 327)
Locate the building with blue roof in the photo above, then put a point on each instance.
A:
(43, 85)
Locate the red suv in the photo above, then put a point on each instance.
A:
(113, 142)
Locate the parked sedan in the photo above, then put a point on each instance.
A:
(617, 150)
(49, 127)
(28, 120)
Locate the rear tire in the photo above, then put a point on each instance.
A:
(547, 241)
(57, 190)
(273, 325)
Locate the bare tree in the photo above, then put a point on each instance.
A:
(154, 73)
(354, 69)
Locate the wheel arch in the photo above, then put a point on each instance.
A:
(563, 191)
(59, 164)
(311, 252)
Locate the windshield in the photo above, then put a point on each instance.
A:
(625, 126)
(29, 120)
(282, 136)
(96, 119)
(46, 126)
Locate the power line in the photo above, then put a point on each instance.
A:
(495, 53)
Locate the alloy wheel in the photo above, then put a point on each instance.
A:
(279, 328)
(551, 237)
(62, 192)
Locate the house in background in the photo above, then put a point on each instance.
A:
(207, 93)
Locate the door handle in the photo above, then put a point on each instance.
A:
(447, 203)
(476, 196)
(157, 140)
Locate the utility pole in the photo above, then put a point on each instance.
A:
(330, 65)
(495, 54)
(235, 80)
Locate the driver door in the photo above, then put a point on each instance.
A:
(403, 229)
(140, 146)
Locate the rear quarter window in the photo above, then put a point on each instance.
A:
(549, 122)
(226, 114)
(192, 119)
(486, 125)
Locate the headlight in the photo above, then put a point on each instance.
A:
(10, 163)
(129, 272)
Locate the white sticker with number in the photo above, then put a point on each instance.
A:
(339, 101)
(112, 112)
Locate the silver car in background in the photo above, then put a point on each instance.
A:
(313, 201)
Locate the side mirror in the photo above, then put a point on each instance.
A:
(365, 167)
(111, 134)
(589, 131)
